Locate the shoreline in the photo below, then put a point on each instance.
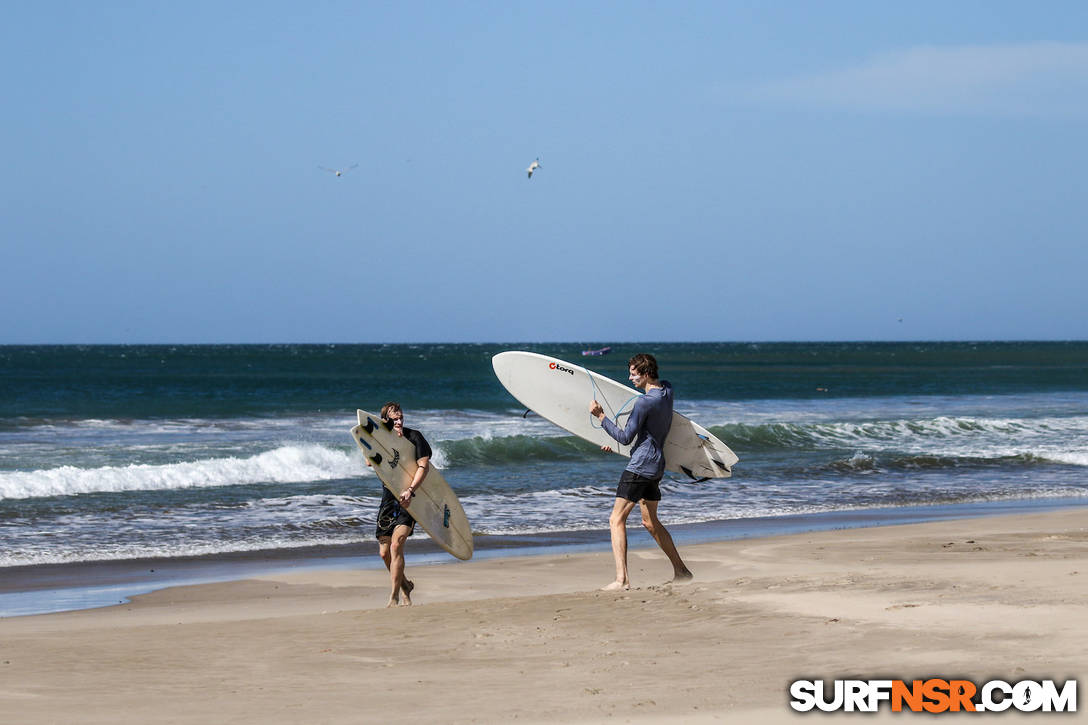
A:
(533, 639)
(35, 589)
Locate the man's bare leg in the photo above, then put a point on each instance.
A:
(384, 543)
(680, 571)
(406, 585)
(400, 583)
(617, 525)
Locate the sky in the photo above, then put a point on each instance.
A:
(710, 171)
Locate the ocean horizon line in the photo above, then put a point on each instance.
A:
(917, 341)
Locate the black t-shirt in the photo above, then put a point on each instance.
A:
(423, 450)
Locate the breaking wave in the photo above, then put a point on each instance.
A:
(288, 464)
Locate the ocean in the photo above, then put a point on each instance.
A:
(116, 453)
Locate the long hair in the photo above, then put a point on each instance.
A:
(390, 407)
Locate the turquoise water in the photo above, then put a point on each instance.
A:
(122, 452)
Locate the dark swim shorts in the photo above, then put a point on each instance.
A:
(391, 515)
(634, 487)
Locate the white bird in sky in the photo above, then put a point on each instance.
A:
(533, 167)
(338, 172)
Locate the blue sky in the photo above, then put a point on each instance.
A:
(711, 171)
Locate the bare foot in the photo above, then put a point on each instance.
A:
(393, 602)
(616, 587)
(406, 591)
(683, 576)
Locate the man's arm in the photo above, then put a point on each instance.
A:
(629, 432)
(424, 465)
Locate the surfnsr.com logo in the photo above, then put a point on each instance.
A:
(934, 695)
(560, 368)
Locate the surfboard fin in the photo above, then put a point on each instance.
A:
(369, 427)
(691, 475)
(376, 459)
(721, 465)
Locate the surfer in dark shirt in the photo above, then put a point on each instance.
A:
(648, 426)
(395, 524)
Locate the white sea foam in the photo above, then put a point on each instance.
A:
(287, 464)
(284, 522)
(119, 551)
(1075, 458)
(1060, 440)
(511, 472)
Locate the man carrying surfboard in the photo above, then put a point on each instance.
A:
(648, 426)
(395, 524)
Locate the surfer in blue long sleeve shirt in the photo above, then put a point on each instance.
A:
(648, 426)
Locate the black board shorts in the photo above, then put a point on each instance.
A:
(634, 487)
(391, 515)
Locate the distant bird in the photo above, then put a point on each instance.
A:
(533, 167)
(338, 172)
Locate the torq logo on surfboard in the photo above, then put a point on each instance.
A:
(560, 368)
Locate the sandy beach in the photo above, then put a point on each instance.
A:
(531, 639)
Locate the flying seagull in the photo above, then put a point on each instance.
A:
(338, 172)
(533, 167)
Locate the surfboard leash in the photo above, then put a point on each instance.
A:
(615, 416)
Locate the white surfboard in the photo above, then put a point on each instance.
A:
(435, 506)
(561, 392)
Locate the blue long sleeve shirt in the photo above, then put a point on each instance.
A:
(651, 418)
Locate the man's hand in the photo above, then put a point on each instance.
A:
(596, 410)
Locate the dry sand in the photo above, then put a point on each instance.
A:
(530, 638)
